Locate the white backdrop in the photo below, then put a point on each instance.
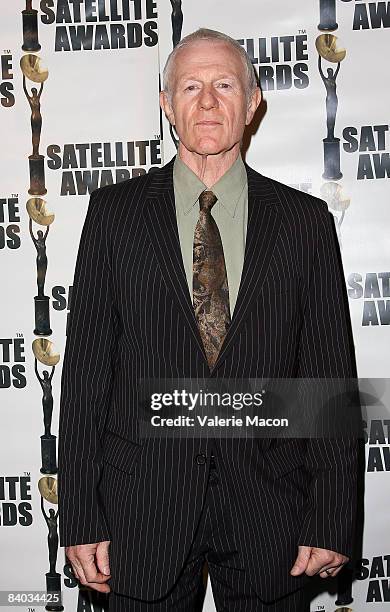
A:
(110, 95)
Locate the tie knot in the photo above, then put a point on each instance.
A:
(207, 200)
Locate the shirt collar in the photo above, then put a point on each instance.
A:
(228, 188)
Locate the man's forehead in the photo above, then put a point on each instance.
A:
(205, 50)
(223, 57)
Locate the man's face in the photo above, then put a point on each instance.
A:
(209, 106)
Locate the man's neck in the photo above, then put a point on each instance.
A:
(209, 168)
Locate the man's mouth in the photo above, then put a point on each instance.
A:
(208, 122)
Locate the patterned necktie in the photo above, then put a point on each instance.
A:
(210, 285)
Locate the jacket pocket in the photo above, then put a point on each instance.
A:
(120, 452)
(284, 457)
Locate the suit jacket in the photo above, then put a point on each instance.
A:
(131, 317)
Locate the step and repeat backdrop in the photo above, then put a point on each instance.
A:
(79, 109)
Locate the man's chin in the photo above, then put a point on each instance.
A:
(207, 149)
(205, 146)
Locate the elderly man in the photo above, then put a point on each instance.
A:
(203, 269)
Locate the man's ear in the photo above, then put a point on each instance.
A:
(166, 107)
(253, 104)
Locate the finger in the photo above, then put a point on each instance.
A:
(320, 560)
(331, 562)
(338, 569)
(80, 573)
(77, 564)
(75, 572)
(102, 588)
(90, 570)
(102, 558)
(75, 559)
(331, 571)
(327, 573)
(301, 561)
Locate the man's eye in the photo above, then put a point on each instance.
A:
(190, 87)
(224, 85)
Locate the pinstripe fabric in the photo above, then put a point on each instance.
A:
(131, 317)
(215, 542)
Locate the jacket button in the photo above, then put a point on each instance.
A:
(201, 459)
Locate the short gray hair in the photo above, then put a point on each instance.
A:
(213, 35)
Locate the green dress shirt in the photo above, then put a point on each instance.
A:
(230, 213)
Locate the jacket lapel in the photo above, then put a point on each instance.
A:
(262, 230)
(162, 228)
(264, 220)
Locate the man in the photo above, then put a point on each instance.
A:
(204, 268)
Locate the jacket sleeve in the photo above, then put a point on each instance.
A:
(327, 351)
(86, 383)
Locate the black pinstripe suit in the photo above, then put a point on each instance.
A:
(131, 317)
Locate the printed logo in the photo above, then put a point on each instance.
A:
(99, 25)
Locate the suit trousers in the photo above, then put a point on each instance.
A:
(213, 548)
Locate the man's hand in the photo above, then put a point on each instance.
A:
(312, 561)
(89, 573)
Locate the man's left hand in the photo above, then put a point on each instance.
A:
(312, 561)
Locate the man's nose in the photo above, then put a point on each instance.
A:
(207, 98)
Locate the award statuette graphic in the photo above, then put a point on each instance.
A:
(32, 70)
(44, 352)
(177, 25)
(326, 45)
(36, 208)
(344, 587)
(176, 21)
(30, 28)
(334, 196)
(48, 489)
(328, 21)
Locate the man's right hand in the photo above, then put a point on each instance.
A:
(90, 563)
